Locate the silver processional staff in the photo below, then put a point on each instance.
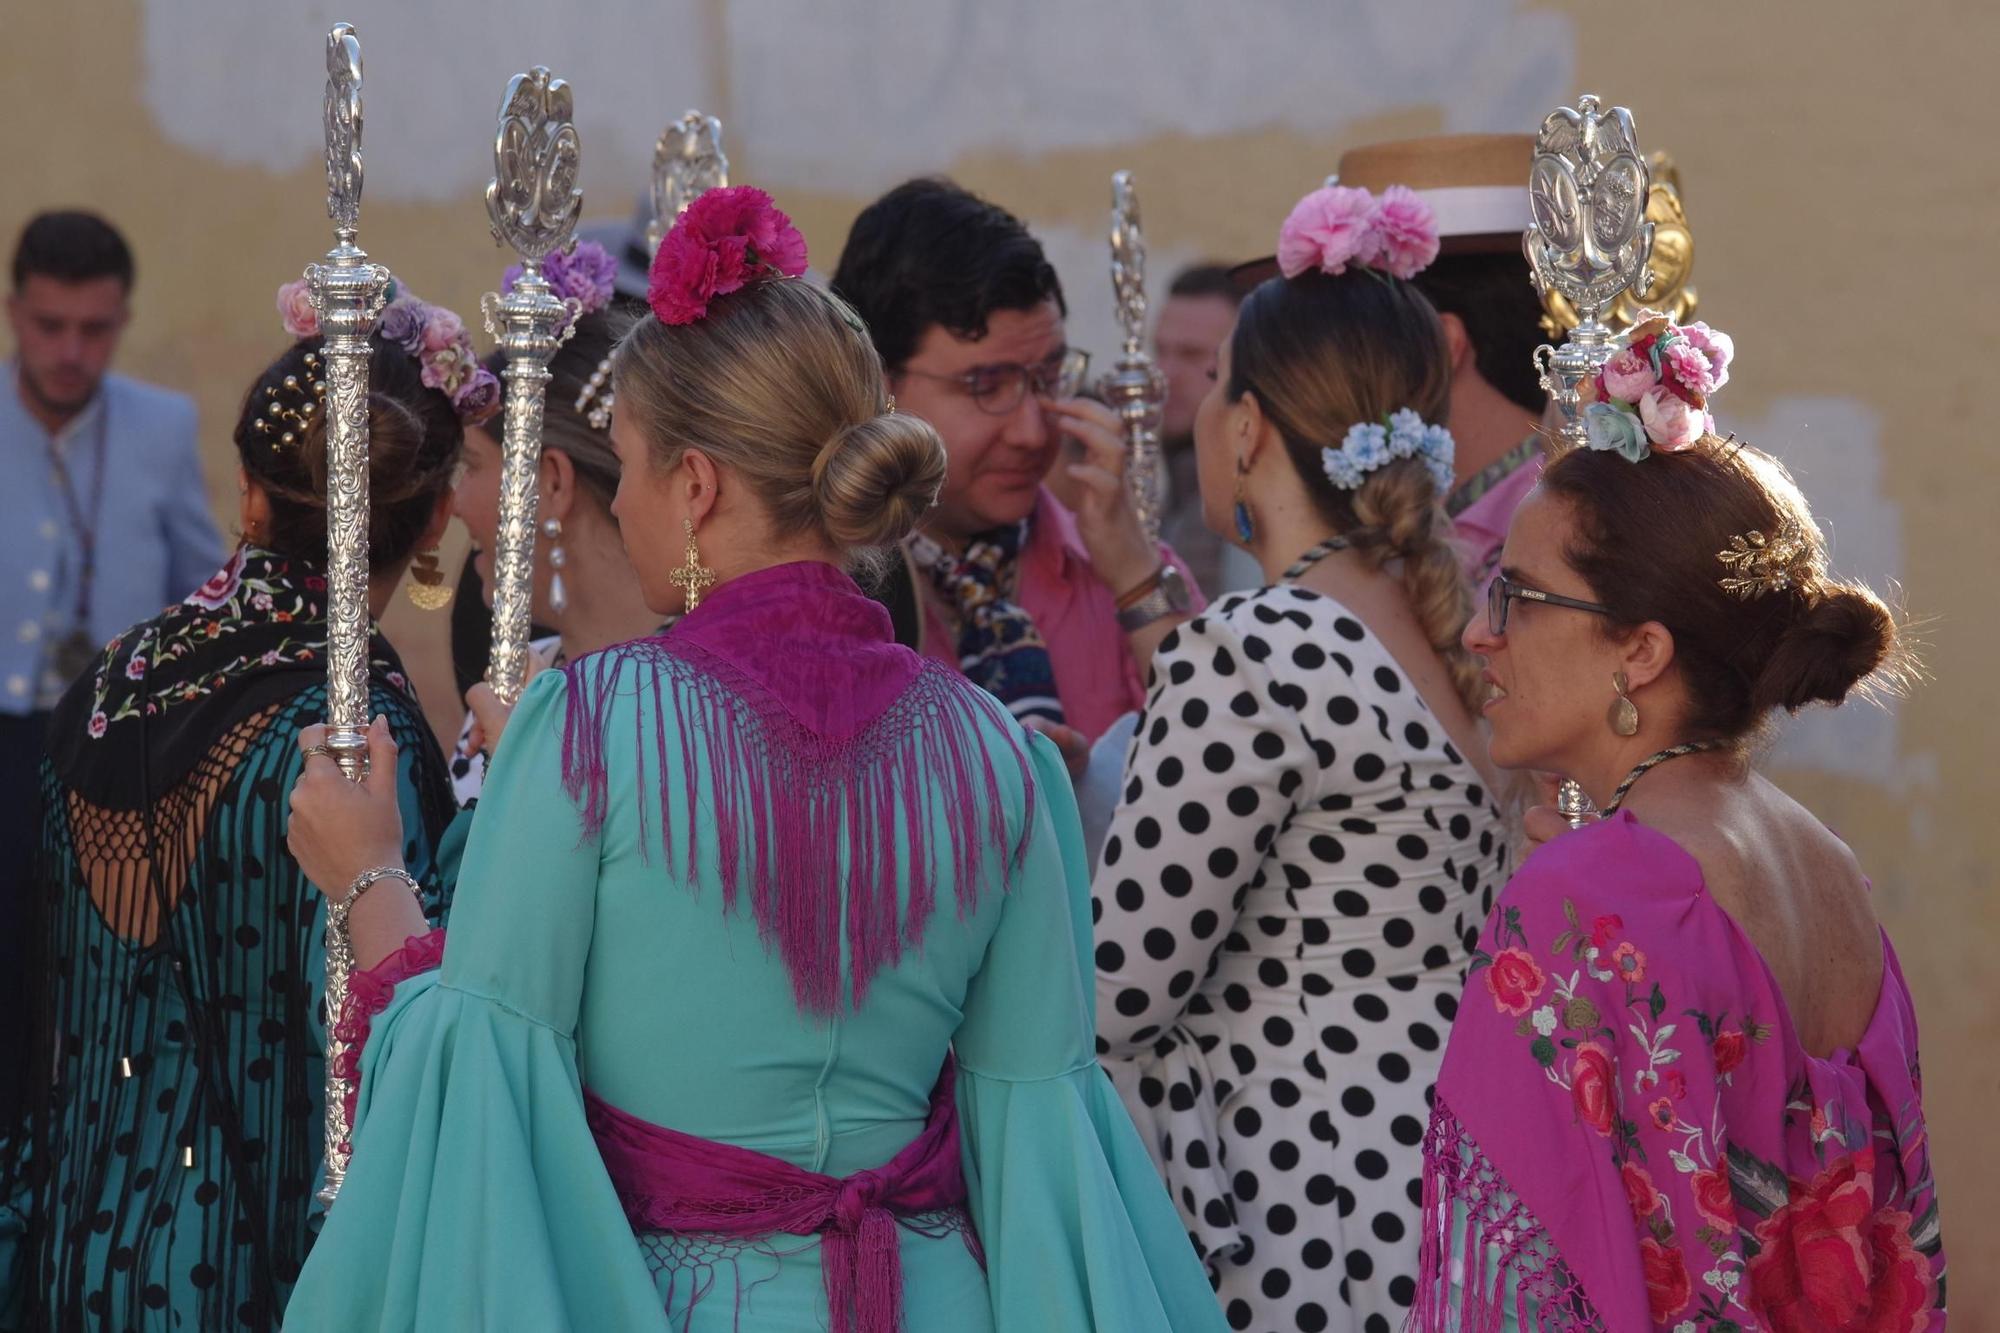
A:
(1134, 387)
(532, 202)
(348, 292)
(1589, 241)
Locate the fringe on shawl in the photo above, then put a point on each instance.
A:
(1497, 1259)
(777, 802)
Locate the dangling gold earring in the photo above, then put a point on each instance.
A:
(426, 584)
(693, 577)
(1624, 713)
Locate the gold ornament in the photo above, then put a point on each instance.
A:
(426, 586)
(1758, 564)
(1624, 713)
(693, 577)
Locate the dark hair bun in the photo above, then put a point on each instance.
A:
(1829, 648)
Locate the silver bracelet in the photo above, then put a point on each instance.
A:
(336, 912)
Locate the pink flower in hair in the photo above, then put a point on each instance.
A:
(1717, 346)
(1672, 423)
(296, 308)
(1628, 375)
(1407, 230)
(1328, 230)
(442, 329)
(724, 240)
(1684, 367)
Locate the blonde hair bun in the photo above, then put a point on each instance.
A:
(874, 481)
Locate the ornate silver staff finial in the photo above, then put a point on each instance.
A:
(687, 160)
(1588, 243)
(348, 292)
(533, 202)
(1589, 240)
(1134, 386)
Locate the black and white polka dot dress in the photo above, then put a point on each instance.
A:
(1284, 904)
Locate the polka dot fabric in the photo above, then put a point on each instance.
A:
(1285, 903)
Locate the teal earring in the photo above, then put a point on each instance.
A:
(1245, 529)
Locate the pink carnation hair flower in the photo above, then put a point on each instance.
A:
(1407, 232)
(725, 239)
(1329, 229)
(1684, 367)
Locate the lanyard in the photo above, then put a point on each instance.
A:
(85, 528)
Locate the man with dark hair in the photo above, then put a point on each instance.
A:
(1055, 612)
(103, 516)
(1196, 317)
(1477, 185)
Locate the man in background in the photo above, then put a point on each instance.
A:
(103, 520)
(1195, 319)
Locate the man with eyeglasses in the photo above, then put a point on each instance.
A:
(1055, 612)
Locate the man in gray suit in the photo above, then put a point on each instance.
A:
(103, 519)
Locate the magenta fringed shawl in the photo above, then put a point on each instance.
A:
(800, 728)
(1628, 1135)
(674, 1182)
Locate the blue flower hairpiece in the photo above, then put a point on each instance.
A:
(1373, 444)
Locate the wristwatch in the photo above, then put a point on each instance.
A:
(1164, 593)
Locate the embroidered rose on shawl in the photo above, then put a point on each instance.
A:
(1829, 1260)
(1628, 963)
(1668, 1288)
(1640, 1191)
(1591, 1086)
(1730, 1048)
(221, 586)
(99, 724)
(1712, 1197)
(136, 668)
(1514, 980)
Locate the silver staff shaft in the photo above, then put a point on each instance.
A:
(1134, 387)
(533, 202)
(348, 292)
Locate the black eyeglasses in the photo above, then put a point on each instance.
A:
(999, 389)
(1501, 593)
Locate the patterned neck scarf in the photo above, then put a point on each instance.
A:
(999, 648)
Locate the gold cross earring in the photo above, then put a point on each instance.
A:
(693, 577)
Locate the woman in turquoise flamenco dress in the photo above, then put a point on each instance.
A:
(767, 998)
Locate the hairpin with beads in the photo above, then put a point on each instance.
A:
(1758, 564)
(596, 399)
(282, 418)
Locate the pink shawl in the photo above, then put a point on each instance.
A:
(1627, 1134)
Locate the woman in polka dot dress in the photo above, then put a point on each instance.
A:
(1306, 841)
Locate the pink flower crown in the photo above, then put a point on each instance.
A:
(585, 273)
(430, 333)
(1653, 393)
(1394, 232)
(726, 239)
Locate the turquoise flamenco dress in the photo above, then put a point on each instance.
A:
(797, 871)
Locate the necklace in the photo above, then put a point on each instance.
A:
(1646, 766)
(1311, 558)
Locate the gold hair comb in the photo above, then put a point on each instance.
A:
(284, 419)
(1758, 564)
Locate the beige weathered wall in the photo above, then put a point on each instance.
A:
(1840, 172)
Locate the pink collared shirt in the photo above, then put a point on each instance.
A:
(1481, 527)
(1096, 677)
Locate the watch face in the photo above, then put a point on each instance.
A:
(1174, 588)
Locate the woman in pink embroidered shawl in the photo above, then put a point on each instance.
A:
(767, 999)
(1682, 1090)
